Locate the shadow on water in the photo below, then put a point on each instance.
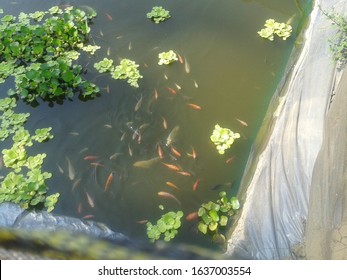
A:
(227, 70)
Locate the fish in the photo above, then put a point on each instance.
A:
(193, 154)
(108, 181)
(171, 90)
(71, 170)
(119, 37)
(194, 106)
(90, 200)
(192, 216)
(96, 164)
(166, 77)
(242, 122)
(109, 17)
(141, 222)
(108, 54)
(230, 160)
(79, 208)
(196, 184)
(74, 133)
(90, 157)
(83, 150)
(61, 170)
(164, 123)
(156, 94)
(186, 66)
(101, 33)
(172, 136)
(138, 104)
(123, 136)
(184, 173)
(130, 150)
(175, 152)
(115, 155)
(171, 166)
(196, 84)
(129, 46)
(107, 125)
(145, 64)
(172, 185)
(169, 195)
(76, 184)
(88, 217)
(180, 59)
(160, 151)
(146, 163)
(178, 86)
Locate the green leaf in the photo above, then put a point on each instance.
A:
(202, 228)
(235, 204)
(223, 220)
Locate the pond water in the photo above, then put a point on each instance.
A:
(227, 69)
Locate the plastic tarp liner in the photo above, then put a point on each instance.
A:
(279, 184)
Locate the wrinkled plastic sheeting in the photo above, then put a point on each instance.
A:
(12, 216)
(275, 188)
(326, 230)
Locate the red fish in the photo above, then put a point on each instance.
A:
(172, 185)
(196, 184)
(172, 167)
(108, 181)
(108, 16)
(172, 90)
(160, 152)
(169, 195)
(175, 152)
(90, 157)
(192, 216)
(194, 106)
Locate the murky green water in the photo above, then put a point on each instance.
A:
(232, 74)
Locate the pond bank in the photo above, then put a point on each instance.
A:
(283, 187)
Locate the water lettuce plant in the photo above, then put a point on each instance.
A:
(126, 70)
(25, 182)
(167, 225)
(167, 57)
(282, 30)
(38, 50)
(158, 14)
(223, 138)
(214, 216)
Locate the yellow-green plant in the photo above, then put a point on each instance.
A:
(223, 138)
(282, 30)
(167, 57)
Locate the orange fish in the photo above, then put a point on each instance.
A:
(194, 106)
(171, 166)
(160, 152)
(169, 195)
(90, 157)
(90, 200)
(108, 181)
(242, 122)
(175, 152)
(164, 123)
(192, 216)
(172, 185)
(108, 16)
(196, 184)
(184, 173)
(88, 217)
(171, 90)
(230, 160)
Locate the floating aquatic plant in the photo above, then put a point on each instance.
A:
(282, 30)
(28, 189)
(167, 57)
(167, 225)
(223, 138)
(214, 216)
(158, 14)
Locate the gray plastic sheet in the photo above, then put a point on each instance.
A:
(284, 171)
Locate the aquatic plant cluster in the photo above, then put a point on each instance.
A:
(38, 50)
(28, 189)
(272, 28)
